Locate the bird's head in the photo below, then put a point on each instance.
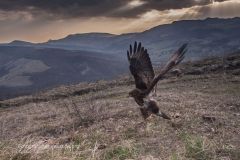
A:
(138, 95)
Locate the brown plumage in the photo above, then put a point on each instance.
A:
(145, 79)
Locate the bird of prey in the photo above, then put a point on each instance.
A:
(142, 70)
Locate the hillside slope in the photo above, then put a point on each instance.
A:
(25, 70)
(99, 121)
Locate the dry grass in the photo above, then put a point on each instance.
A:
(98, 121)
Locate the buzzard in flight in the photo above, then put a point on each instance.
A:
(145, 79)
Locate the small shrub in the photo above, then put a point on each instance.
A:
(196, 148)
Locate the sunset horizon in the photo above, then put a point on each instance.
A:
(40, 22)
(114, 34)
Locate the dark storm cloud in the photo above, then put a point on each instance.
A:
(62, 8)
(93, 8)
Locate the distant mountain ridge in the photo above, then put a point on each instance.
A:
(221, 33)
(18, 43)
(209, 37)
(95, 56)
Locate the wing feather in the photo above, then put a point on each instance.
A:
(175, 59)
(140, 66)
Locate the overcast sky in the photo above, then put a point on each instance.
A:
(41, 20)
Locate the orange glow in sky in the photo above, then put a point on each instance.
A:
(22, 25)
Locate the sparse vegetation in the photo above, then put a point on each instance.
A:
(174, 157)
(22, 156)
(103, 123)
(119, 153)
(196, 147)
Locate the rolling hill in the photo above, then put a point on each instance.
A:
(26, 67)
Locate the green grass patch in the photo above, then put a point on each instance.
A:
(196, 148)
(119, 153)
(174, 157)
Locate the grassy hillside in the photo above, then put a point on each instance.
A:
(98, 121)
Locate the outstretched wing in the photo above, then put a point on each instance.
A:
(140, 66)
(175, 59)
